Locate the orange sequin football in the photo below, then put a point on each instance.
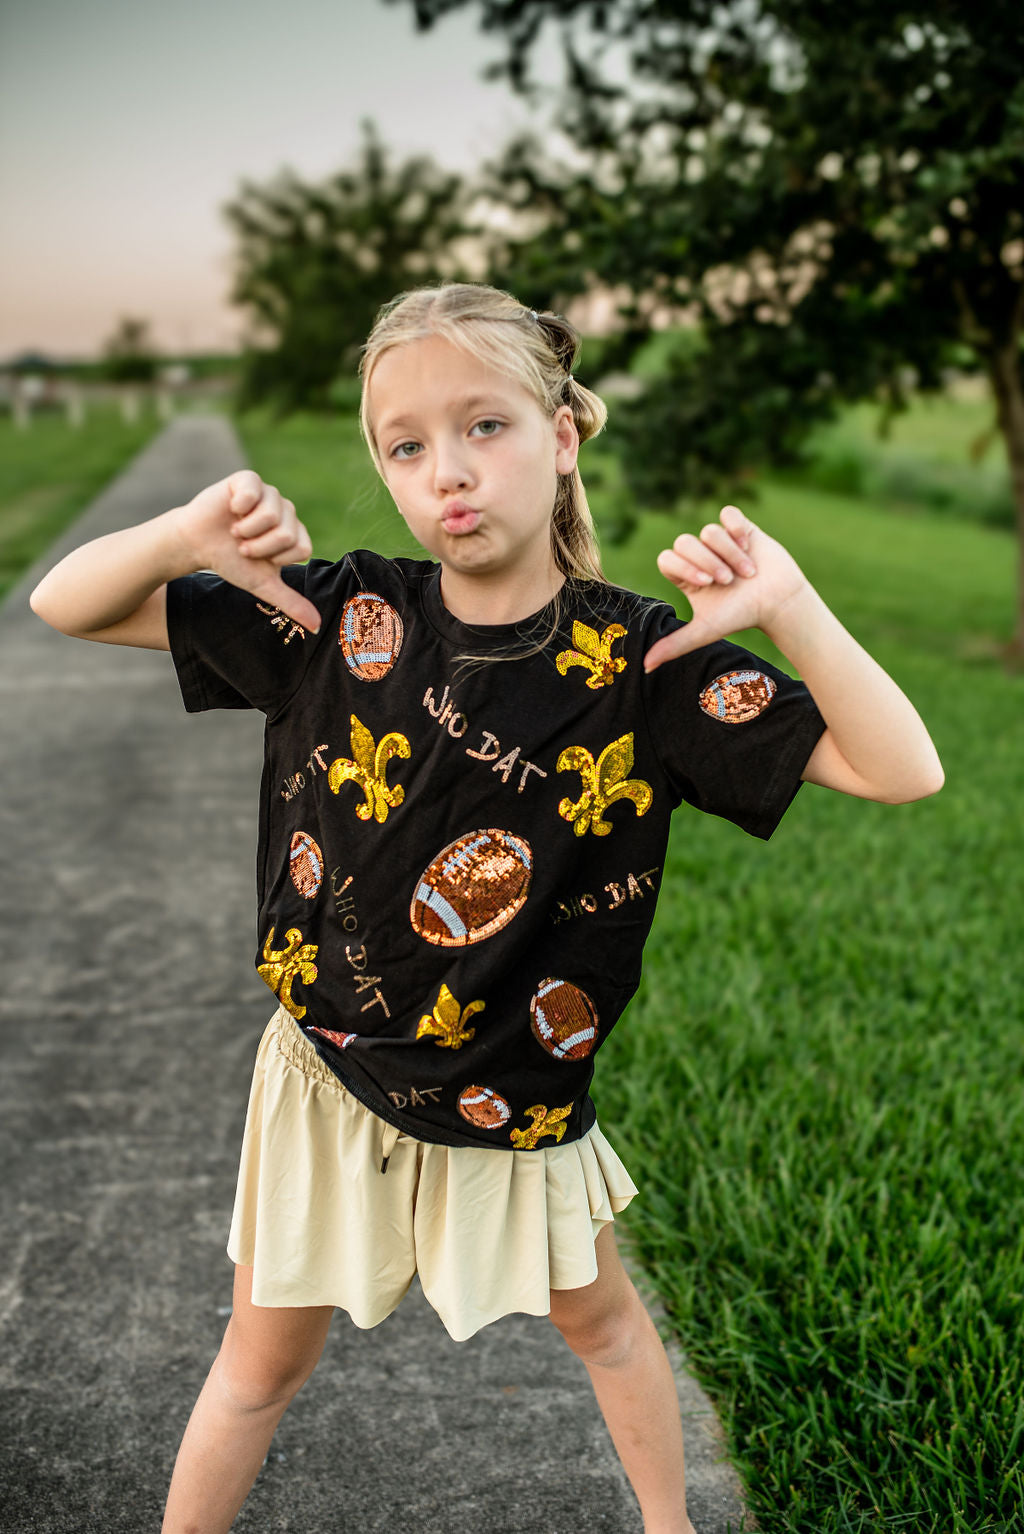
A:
(305, 864)
(737, 696)
(473, 888)
(370, 635)
(563, 1019)
(484, 1107)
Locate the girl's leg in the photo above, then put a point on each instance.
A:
(606, 1325)
(267, 1353)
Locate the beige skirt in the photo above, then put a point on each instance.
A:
(488, 1231)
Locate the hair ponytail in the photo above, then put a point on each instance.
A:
(562, 338)
(573, 539)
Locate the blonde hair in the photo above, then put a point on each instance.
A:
(538, 351)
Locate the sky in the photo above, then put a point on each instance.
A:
(126, 124)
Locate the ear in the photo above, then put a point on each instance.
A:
(567, 440)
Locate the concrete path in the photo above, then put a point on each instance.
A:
(130, 1020)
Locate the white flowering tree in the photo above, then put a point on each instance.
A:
(834, 192)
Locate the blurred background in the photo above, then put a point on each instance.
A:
(755, 221)
(792, 237)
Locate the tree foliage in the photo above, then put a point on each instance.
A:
(832, 196)
(314, 263)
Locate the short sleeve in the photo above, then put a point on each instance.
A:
(231, 650)
(733, 731)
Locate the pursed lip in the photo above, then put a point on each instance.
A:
(459, 517)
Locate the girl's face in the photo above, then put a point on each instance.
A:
(471, 461)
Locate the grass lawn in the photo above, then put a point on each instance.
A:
(942, 454)
(941, 426)
(51, 471)
(818, 1088)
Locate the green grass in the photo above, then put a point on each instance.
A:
(941, 455)
(820, 1086)
(822, 1080)
(50, 472)
(943, 426)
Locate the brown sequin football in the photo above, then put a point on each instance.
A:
(472, 888)
(305, 864)
(342, 1040)
(563, 1019)
(484, 1107)
(737, 696)
(370, 635)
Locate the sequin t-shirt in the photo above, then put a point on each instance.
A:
(458, 861)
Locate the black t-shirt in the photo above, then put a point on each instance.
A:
(459, 858)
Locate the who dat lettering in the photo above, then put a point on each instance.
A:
(343, 902)
(415, 1098)
(457, 724)
(297, 781)
(364, 982)
(586, 904)
(358, 958)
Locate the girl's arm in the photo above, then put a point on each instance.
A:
(114, 589)
(736, 577)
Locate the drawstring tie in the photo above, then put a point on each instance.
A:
(388, 1141)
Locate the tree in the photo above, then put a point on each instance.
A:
(129, 354)
(831, 194)
(315, 262)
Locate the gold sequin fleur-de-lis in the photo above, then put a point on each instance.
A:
(280, 970)
(595, 652)
(447, 1025)
(369, 769)
(604, 781)
(546, 1121)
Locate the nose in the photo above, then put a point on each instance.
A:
(451, 466)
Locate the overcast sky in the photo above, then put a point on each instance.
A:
(125, 124)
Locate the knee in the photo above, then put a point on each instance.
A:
(251, 1383)
(605, 1336)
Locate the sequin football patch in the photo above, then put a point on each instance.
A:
(473, 888)
(341, 1040)
(370, 635)
(305, 864)
(563, 1019)
(736, 697)
(484, 1107)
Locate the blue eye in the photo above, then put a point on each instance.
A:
(481, 426)
(399, 451)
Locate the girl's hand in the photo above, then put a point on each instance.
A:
(244, 530)
(734, 576)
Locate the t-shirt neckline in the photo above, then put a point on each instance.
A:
(487, 636)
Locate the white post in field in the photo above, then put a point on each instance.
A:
(75, 403)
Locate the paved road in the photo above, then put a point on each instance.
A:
(130, 1021)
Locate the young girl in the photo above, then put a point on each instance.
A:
(471, 764)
